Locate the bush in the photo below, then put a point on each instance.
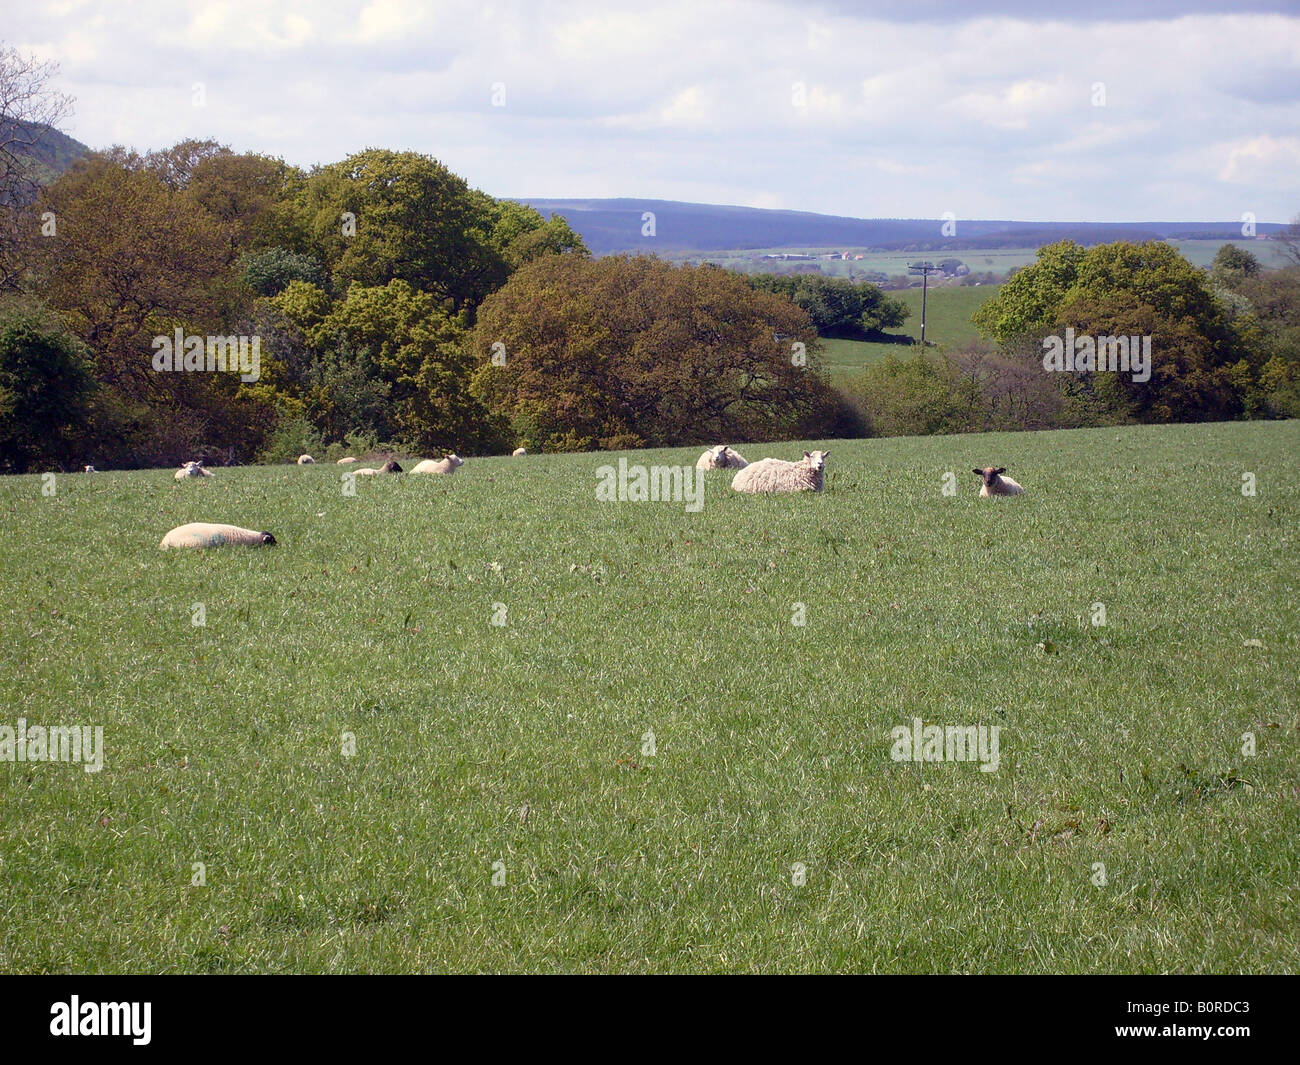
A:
(292, 436)
(45, 388)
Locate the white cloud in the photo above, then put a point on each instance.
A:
(677, 99)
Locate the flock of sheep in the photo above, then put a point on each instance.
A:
(766, 476)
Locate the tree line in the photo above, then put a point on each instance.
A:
(392, 304)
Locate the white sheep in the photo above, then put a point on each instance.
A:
(995, 484)
(518, 453)
(447, 465)
(191, 469)
(203, 534)
(306, 460)
(721, 457)
(88, 469)
(388, 467)
(346, 461)
(777, 475)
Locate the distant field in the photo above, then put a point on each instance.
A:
(998, 260)
(673, 754)
(948, 312)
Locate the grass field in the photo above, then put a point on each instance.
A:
(519, 750)
(947, 323)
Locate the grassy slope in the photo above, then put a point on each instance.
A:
(522, 744)
(947, 322)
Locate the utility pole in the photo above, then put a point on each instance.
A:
(925, 270)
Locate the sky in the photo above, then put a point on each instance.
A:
(1178, 110)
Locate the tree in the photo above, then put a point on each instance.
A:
(270, 271)
(1032, 294)
(631, 351)
(520, 234)
(1204, 352)
(380, 216)
(408, 340)
(134, 260)
(837, 307)
(29, 110)
(131, 260)
(45, 387)
(1231, 264)
(1290, 238)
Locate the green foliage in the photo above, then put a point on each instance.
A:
(1233, 264)
(837, 307)
(271, 270)
(46, 387)
(409, 340)
(1205, 346)
(520, 234)
(604, 353)
(415, 221)
(292, 436)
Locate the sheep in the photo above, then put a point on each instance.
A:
(447, 465)
(87, 469)
(995, 484)
(346, 461)
(306, 460)
(203, 534)
(518, 453)
(721, 457)
(777, 475)
(388, 467)
(191, 469)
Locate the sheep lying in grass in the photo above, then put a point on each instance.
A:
(202, 534)
(995, 484)
(388, 467)
(721, 457)
(87, 469)
(777, 475)
(347, 461)
(191, 469)
(447, 465)
(306, 460)
(518, 453)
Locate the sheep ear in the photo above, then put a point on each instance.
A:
(978, 472)
(1000, 469)
(825, 453)
(806, 455)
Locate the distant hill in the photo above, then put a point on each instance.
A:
(52, 153)
(615, 225)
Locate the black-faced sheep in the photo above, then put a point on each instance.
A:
(388, 467)
(995, 484)
(203, 534)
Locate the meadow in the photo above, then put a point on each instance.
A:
(487, 723)
(947, 324)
